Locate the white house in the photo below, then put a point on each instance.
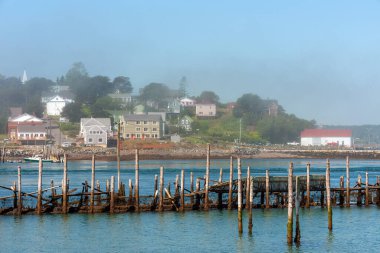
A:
(55, 105)
(95, 131)
(326, 137)
(205, 110)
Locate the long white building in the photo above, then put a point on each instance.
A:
(326, 137)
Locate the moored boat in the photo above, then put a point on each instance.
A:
(37, 159)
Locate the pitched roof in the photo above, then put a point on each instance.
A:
(326, 133)
(95, 121)
(26, 118)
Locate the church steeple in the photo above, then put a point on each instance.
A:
(24, 78)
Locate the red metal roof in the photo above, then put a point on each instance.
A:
(326, 133)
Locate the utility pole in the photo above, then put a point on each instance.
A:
(240, 132)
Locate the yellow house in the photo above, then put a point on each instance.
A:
(141, 126)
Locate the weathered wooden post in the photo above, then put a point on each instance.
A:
(112, 195)
(290, 205)
(161, 204)
(14, 188)
(250, 223)
(206, 206)
(378, 190)
(341, 192)
(308, 185)
(176, 185)
(99, 197)
(64, 185)
(130, 185)
(267, 189)
(52, 190)
(359, 198)
(366, 189)
(348, 198)
(137, 196)
(247, 189)
(297, 238)
(191, 188)
(39, 194)
(118, 156)
(231, 183)
(182, 207)
(155, 185)
(240, 199)
(197, 195)
(92, 197)
(19, 199)
(328, 196)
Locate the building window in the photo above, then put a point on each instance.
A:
(154, 129)
(145, 122)
(154, 122)
(21, 135)
(89, 139)
(100, 139)
(147, 135)
(41, 135)
(137, 122)
(138, 135)
(26, 135)
(127, 136)
(138, 129)
(145, 129)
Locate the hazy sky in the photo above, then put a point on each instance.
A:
(319, 59)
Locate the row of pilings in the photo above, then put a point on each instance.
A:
(289, 191)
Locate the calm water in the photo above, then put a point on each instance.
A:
(354, 228)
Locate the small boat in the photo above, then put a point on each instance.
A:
(36, 159)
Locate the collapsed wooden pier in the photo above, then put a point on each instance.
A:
(203, 194)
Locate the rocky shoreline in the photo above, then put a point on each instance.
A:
(190, 152)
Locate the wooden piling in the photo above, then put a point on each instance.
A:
(290, 205)
(112, 195)
(155, 185)
(267, 189)
(161, 204)
(19, 188)
(359, 198)
(137, 196)
(118, 156)
(14, 188)
(64, 185)
(328, 196)
(250, 223)
(230, 183)
(182, 204)
(297, 238)
(192, 187)
(240, 204)
(39, 194)
(130, 185)
(206, 204)
(308, 185)
(52, 190)
(176, 185)
(348, 198)
(366, 189)
(92, 197)
(197, 195)
(99, 197)
(341, 193)
(247, 189)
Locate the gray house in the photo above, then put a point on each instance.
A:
(95, 131)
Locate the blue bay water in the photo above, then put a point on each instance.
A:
(355, 228)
